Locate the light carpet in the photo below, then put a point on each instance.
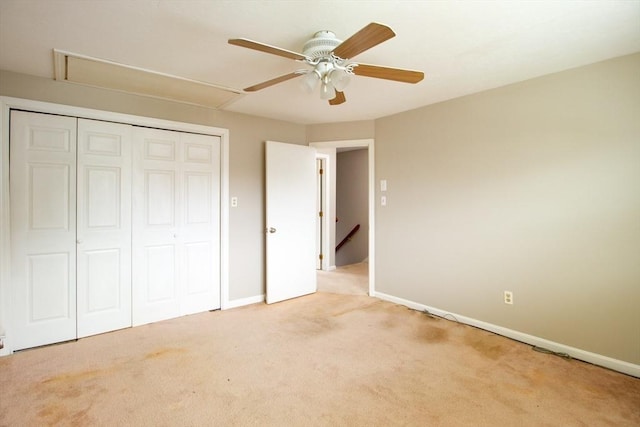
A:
(326, 359)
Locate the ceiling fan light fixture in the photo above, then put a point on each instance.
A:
(339, 78)
(310, 81)
(327, 91)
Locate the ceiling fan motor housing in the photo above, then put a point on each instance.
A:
(321, 45)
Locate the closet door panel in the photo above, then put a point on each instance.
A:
(200, 229)
(104, 227)
(43, 234)
(156, 251)
(176, 224)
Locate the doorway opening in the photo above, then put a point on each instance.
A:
(328, 239)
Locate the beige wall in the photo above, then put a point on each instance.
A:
(341, 131)
(532, 188)
(246, 163)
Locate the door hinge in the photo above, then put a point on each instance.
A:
(321, 214)
(321, 171)
(321, 257)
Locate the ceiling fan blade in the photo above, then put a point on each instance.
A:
(271, 82)
(387, 73)
(267, 48)
(338, 99)
(368, 37)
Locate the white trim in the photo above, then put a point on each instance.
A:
(576, 353)
(326, 246)
(245, 301)
(5, 246)
(224, 223)
(9, 103)
(369, 144)
(60, 67)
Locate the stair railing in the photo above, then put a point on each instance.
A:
(349, 236)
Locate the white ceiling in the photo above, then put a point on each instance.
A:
(462, 46)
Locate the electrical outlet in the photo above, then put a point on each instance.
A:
(508, 297)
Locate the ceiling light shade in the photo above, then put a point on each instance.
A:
(340, 79)
(310, 81)
(327, 91)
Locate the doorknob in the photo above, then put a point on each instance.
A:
(272, 230)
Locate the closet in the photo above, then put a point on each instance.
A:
(112, 225)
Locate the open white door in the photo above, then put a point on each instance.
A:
(291, 221)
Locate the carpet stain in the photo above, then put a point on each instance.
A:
(81, 389)
(74, 387)
(53, 413)
(73, 377)
(311, 326)
(433, 334)
(163, 352)
(390, 322)
(488, 345)
(56, 413)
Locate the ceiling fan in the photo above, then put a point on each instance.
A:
(330, 59)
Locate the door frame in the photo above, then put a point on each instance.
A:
(329, 148)
(9, 103)
(322, 230)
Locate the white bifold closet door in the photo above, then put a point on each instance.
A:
(176, 224)
(103, 227)
(43, 228)
(70, 227)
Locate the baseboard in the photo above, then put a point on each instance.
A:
(576, 353)
(244, 301)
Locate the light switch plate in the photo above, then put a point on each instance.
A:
(383, 185)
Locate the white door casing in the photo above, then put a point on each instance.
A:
(291, 211)
(328, 148)
(43, 228)
(319, 212)
(176, 224)
(103, 227)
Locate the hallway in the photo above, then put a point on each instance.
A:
(352, 279)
